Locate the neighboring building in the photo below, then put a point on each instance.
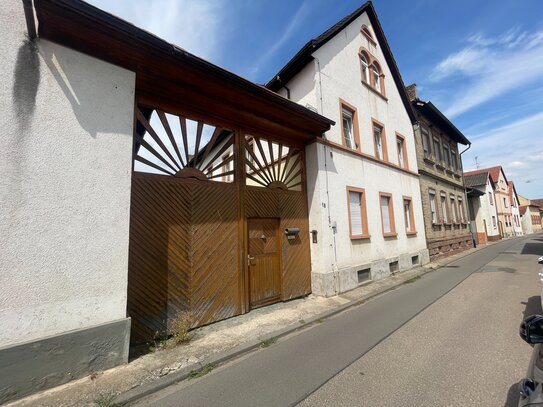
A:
(531, 216)
(515, 212)
(442, 187)
(482, 206)
(364, 194)
(112, 222)
(502, 199)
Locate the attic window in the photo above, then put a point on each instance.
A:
(367, 33)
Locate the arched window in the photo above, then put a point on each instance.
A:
(367, 33)
(364, 66)
(376, 77)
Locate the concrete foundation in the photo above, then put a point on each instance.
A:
(348, 278)
(37, 365)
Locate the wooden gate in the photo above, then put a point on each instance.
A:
(205, 200)
(263, 261)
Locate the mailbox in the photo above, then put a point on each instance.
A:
(291, 233)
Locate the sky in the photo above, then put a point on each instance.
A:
(480, 63)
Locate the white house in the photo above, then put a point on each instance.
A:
(515, 211)
(483, 207)
(363, 185)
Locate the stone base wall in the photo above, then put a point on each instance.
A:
(38, 365)
(494, 238)
(346, 279)
(448, 247)
(482, 238)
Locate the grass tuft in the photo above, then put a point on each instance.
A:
(202, 372)
(267, 342)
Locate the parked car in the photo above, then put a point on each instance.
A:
(531, 330)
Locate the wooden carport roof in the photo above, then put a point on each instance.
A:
(173, 77)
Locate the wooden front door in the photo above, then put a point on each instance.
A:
(264, 247)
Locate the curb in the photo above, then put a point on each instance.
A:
(154, 386)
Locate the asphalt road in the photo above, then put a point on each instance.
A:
(447, 339)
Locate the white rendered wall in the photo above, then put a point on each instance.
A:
(487, 211)
(65, 186)
(335, 74)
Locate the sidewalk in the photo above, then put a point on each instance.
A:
(215, 344)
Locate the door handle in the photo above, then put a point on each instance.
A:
(249, 258)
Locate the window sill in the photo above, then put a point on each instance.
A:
(367, 85)
(450, 172)
(437, 224)
(411, 234)
(360, 237)
(429, 160)
(440, 166)
(456, 175)
(390, 234)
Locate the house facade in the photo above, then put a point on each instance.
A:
(133, 192)
(530, 212)
(515, 211)
(502, 199)
(365, 209)
(444, 201)
(482, 206)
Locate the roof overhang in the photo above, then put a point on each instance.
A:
(428, 110)
(473, 193)
(173, 77)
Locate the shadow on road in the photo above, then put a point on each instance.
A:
(532, 306)
(533, 248)
(512, 396)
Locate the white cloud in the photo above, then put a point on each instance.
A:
(197, 26)
(518, 148)
(489, 67)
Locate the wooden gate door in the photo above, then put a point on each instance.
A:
(264, 246)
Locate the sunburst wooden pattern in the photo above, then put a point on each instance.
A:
(273, 165)
(179, 146)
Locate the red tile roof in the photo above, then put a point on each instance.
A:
(522, 209)
(493, 171)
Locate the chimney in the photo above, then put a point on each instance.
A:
(412, 91)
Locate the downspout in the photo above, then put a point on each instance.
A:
(330, 225)
(284, 86)
(29, 16)
(467, 202)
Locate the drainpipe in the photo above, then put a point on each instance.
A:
(466, 200)
(29, 16)
(330, 225)
(284, 86)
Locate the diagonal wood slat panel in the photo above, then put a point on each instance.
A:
(296, 253)
(183, 254)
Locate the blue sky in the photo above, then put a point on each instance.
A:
(481, 63)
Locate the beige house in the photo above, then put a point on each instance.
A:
(530, 213)
(442, 187)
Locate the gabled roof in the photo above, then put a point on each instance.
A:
(475, 180)
(434, 114)
(522, 209)
(305, 54)
(493, 171)
(537, 202)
